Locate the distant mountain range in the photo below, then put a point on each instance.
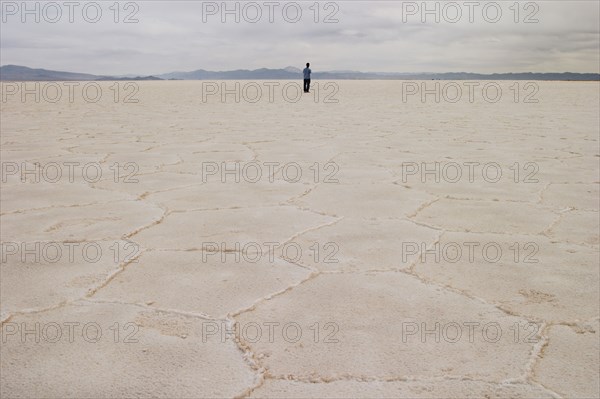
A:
(21, 73)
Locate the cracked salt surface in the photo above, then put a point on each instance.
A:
(374, 306)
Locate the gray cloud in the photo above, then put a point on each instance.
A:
(370, 36)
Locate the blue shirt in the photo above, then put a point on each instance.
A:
(306, 72)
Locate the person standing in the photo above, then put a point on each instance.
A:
(307, 73)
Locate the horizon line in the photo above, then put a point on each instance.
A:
(290, 66)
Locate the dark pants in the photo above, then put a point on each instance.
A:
(306, 85)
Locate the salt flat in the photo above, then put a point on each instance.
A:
(362, 241)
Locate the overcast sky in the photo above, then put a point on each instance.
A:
(386, 36)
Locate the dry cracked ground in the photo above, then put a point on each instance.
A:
(373, 247)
